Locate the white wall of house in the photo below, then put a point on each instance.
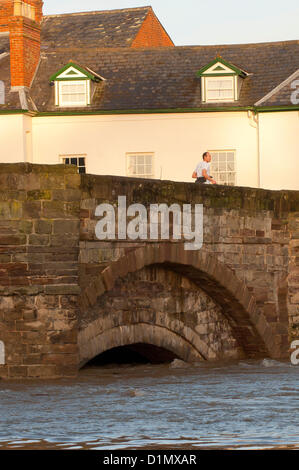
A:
(177, 141)
(279, 147)
(28, 139)
(12, 137)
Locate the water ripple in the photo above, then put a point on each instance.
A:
(250, 404)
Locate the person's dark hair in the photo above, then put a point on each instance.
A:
(204, 155)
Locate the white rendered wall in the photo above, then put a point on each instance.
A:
(279, 148)
(177, 140)
(12, 132)
(27, 139)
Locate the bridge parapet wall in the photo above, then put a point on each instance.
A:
(248, 230)
(39, 244)
(51, 262)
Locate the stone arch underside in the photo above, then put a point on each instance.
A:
(238, 306)
(134, 334)
(156, 306)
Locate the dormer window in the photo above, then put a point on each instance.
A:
(73, 85)
(220, 82)
(219, 89)
(75, 93)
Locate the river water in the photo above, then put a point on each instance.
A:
(249, 404)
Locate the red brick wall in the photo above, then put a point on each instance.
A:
(7, 8)
(152, 34)
(6, 11)
(24, 50)
(24, 41)
(38, 8)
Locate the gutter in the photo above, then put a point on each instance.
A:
(254, 109)
(145, 111)
(273, 109)
(17, 111)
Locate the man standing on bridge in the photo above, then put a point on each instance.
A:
(202, 171)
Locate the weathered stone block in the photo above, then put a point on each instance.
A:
(32, 359)
(10, 210)
(67, 195)
(43, 226)
(60, 359)
(66, 226)
(53, 209)
(42, 371)
(62, 289)
(72, 181)
(52, 181)
(38, 195)
(39, 240)
(32, 209)
(18, 371)
(13, 239)
(63, 337)
(65, 241)
(25, 226)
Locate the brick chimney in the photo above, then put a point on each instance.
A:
(6, 11)
(24, 26)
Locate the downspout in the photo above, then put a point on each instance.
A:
(255, 122)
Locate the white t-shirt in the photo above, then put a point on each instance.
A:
(203, 166)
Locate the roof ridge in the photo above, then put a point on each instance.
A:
(173, 49)
(278, 88)
(270, 43)
(98, 12)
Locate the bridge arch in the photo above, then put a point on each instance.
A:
(238, 306)
(93, 342)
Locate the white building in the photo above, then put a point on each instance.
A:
(109, 92)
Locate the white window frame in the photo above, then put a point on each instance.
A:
(2, 92)
(205, 83)
(73, 104)
(62, 158)
(226, 171)
(129, 155)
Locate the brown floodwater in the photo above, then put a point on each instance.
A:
(243, 405)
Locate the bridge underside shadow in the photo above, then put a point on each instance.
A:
(138, 353)
(186, 303)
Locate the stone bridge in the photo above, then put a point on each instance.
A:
(66, 297)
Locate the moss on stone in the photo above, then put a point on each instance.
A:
(25, 168)
(10, 210)
(25, 226)
(37, 195)
(147, 192)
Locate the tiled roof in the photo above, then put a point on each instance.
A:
(149, 78)
(166, 77)
(20, 99)
(11, 99)
(111, 28)
(285, 92)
